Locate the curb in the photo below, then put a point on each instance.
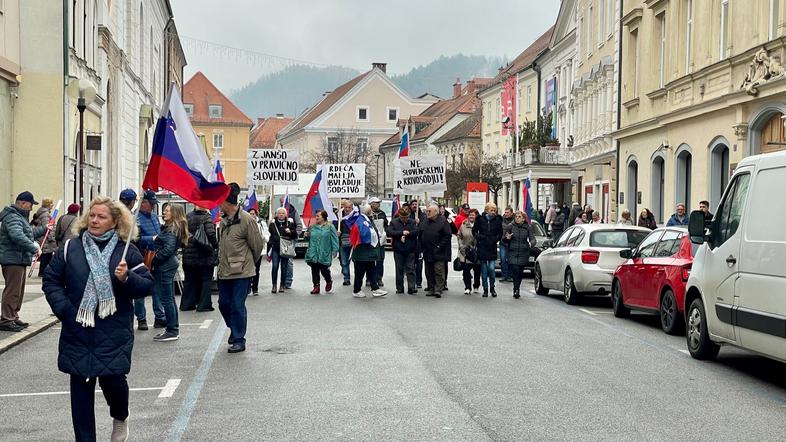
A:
(34, 329)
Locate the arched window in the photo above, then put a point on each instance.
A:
(719, 169)
(684, 168)
(766, 130)
(657, 186)
(633, 185)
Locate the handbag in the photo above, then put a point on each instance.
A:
(200, 239)
(471, 255)
(286, 247)
(148, 259)
(458, 266)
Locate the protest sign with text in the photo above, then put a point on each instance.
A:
(421, 174)
(346, 180)
(271, 166)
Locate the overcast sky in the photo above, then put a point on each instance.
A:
(352, 33)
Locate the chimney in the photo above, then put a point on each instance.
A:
(457, 88)
(381, 66)
(260, 120)
(280, 116)
(471, 87)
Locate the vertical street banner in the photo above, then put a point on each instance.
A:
(346, 180)
(421, 174)
(269, 166)
(508, 105)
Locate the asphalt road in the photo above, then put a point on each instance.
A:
(333, 367)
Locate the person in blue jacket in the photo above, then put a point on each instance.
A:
(680, 217)
(90, 289)
(149, 228)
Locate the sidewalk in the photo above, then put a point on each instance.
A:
(35, 310)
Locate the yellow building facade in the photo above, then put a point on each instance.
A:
(702, 87)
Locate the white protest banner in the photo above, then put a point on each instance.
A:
(421, 174)
(346, 180)
(270, 166)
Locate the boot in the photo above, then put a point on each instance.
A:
(493, 293)
(315, 290)
(329, 287)
(119, 430)
(485, 292)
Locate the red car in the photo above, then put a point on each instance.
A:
(653, 277)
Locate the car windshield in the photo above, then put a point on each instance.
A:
(617, 238)
(537, 229)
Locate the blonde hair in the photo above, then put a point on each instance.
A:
(47, 202)
(124, 221)
(177, 222)
(491, 206)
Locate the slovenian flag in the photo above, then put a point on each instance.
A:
(317, 197)
(218, 176)
(285, 203)
(396, 206)
(251, 199)
(526, 198)
(179, 162)
(403, 150)
(360, 229)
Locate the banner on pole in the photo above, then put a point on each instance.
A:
(421, 174)
(269, 166)
(346, 180)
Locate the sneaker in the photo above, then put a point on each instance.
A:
(142, 325)
(359, 295)
(346, 282)
(378, 293)
(437, 295)
(412, 292)
(166, 337)
(159, 323)
(256, 293)
(329, 287)
(420, 286)
(119, 431)
(236, 348)
(467, 292)
(476, 289)
(516, 295)
(315, 290)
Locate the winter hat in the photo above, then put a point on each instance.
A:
(234, 192)
(73, 208)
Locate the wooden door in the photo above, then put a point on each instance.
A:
(773, 138)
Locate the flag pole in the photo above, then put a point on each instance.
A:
(46, 235)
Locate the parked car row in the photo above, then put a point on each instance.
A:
(721, 281)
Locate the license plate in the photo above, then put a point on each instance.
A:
(302, 244)
(531, 259)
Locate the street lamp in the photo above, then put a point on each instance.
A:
(84, 92)
(376, 175)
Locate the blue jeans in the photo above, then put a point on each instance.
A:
(278, 262)
(141, 312)
(344, 253)
(487, 270)
(290, 272)
(232, 294)
(164, 289)
(503, 260)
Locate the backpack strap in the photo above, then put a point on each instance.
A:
(65, 250)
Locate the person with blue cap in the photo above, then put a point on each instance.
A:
(149, 228)
(128, 198)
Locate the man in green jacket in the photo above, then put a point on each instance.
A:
(17, 249)
(240, 243)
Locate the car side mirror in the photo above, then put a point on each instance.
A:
(547, 244)
(697, 228)
(626, 253)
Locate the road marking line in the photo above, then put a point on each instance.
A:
(588, 312)
(58, 393)
(192, 395)
(169, 388)
(206, 323)
(198, 324)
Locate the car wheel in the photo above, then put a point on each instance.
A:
(699, 344)
(569, 290)
(617, 301)
(540, 289)
(670, 320)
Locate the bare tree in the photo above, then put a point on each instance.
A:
(345, 146)
(474, 167)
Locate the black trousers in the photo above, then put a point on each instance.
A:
(517, 272)
(197, 288)
(364, 268)
(435, 275)
(405, 266)
(83, 399)
(468, 271)
(316, 269)
(44, 261)
(419, 270)
(255, 279)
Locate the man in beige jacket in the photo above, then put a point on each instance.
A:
(240, 243)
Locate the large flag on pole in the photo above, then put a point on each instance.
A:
(403, 150)
(360, 230)
(526, 197)
(250, 202)
(179, 162)
(218, 176)
(317, 197)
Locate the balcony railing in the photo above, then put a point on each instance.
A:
(543, 155)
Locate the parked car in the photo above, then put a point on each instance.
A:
(584, 258)
(736, 292)
(653, 277)
(540, 244)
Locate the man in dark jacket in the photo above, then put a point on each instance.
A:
(488, 233)
(418, 215)
(199, 262)
(680, 217)
(378, 217)
(149, 228)
(507, 220)
(435, 241)
(404, 233)
(704, 206)
(345, 248)
(17, 249)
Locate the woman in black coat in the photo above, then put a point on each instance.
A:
(90, 289)
(198, 263)
(280, 227)
(520, 239)
(488, 233)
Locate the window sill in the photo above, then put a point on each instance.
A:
(657, 93)
(630, 104)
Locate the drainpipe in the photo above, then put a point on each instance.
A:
(65, 100)
(619, 107)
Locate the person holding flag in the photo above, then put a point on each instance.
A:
(519, 239)
(366, 249)
(42, 218)
(294, 217)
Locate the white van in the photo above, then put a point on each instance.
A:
(736, 293)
